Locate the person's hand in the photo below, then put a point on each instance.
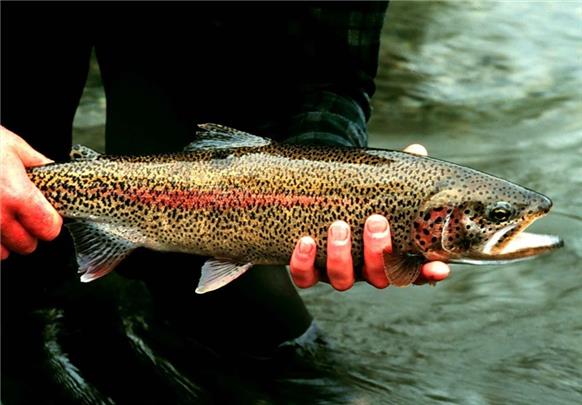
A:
(25, 215)
(340, 270)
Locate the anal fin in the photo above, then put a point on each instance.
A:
(217, 273)
(98, 249)
(402, 270)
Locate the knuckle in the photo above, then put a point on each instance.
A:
(53, 227)
(16, 194)
(340, 274)
(27, 247)
(374, 261)
(339, 252)
(7, 229)
(298, 269)
(303, 277)
(337, 264)
(10, 195)
(376, 244)
(301, 265)
(51, 233)
(334, 257)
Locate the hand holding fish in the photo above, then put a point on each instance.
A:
(340, 269)
(26, 215)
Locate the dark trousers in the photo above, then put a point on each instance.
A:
(45, 57)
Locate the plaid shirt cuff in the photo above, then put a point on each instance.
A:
(329, 119)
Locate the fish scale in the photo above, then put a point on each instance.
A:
(245, 200)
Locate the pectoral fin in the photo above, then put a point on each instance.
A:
(218, 273)
(402, 270)
(98, 249)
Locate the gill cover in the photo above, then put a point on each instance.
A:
(429, 228)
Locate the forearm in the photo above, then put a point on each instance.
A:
(341, 45)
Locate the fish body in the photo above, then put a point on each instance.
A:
(244, 200)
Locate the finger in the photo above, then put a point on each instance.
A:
(39, 217)
(15, 238)
(433, 272)
(31, 157)
(376, 242)
(340, 269)
(27, 154)
(4, 253)
(416, 149)
(436, 271)
(302, 264)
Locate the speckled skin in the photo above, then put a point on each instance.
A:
(253, 204)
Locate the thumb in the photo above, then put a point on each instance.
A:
(31, 157)
(25, 152)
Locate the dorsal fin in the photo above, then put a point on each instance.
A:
(214, 136)
(80, 152)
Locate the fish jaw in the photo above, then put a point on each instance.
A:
(517, 245)
(527, 244)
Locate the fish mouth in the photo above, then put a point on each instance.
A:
(512, 243)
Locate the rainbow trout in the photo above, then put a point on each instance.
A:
(245, 200)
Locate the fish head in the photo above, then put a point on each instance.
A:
(480, 219)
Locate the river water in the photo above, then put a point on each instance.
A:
(495, 86)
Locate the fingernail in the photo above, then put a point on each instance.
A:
(377, 226)
(416, 149)
(305, 247)
(339, 233)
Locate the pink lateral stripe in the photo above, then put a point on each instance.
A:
(221, 199)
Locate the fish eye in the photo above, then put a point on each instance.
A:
(500, 212)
